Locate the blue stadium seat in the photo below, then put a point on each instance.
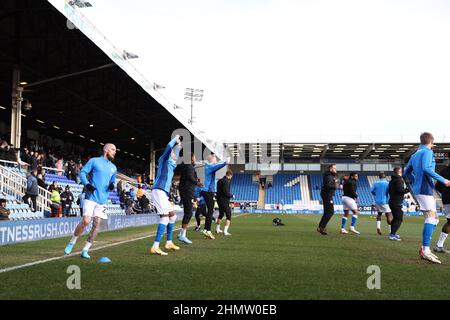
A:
(243, 188)
(280, 193)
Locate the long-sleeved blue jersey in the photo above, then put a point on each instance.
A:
(210, 176)
(166, 167)
(198, 195)
(380, 190)
(101, 173)
(420, 171)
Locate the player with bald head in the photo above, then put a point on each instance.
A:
(98, 176)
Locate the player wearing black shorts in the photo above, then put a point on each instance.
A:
(223, 200)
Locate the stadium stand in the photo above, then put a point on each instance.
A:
(244, 188)
(285, 189)
(19, 210)
(113, 207)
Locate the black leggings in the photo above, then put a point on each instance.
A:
(397, 217)
(33, 200)
(224, 210)
(328, 212)
(201, 211)
(187, 207)
(209, 199)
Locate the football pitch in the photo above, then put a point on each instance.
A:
(259, 261)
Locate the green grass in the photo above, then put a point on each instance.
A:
(258, 261)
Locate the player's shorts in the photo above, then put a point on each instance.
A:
(349, 203)
(426, 202)
(224, 209)
(446, 210)
(161, 202)
(93, 209)
(382, 208)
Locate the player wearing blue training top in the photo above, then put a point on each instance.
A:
(98, 176)
(160, 196)
(380, 191)
(209, 190)
(420, 171)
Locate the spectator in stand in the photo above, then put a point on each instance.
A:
(80, 200)
(128, 201)
(52, 186)
(122, 199)
(9, 154)
(133, 209)
(25, 155)
(144, 203)
(76, 172)
(55, 198)
(34, 161)
(32, 189)
(59, 167)
(133, 194)
(140, 192)
(3, 146)
(66, 201)
(119, 187)
(29, 157)
(41, 181)
(42, 159)
(4, 213)
(51, 160)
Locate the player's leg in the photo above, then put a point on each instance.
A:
(162, 225)
(162, 205)
(170, 226)
(379, 215)
(88, 212)
(397, 218)
(444, 233)
(187, 207)
(99, 213)
(197, 217)
(354, 219)
(431, 221)
(209, 199)
(97, 221)
(344, 221)
(220, 217)
(427, 205)
(328, 211)
(389, 218)
(347, 207)
(228, 222)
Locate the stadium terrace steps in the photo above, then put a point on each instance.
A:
(261, 198)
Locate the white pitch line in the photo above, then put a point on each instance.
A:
(30, 264)
(34, 263)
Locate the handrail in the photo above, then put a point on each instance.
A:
(53, 169)
(126, 178)
(16, 185)
(15, 163)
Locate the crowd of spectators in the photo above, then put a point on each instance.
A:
(135, 202)
(37, 160)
